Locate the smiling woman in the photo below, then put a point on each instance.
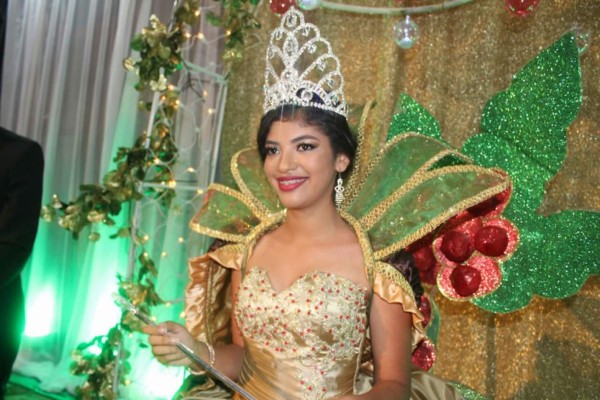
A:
(300, 162)
(313, 301)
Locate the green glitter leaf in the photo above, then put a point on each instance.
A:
(410, 116)
(541, 102)
(524, 133)
(556, 255)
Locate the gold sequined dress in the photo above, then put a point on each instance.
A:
(303, 342)
(308, 341)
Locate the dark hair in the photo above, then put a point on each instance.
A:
(332, 124)
(404, 262)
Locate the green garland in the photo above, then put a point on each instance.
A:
(148, 160)
(238, 18)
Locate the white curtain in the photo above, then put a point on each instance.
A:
(64, 86)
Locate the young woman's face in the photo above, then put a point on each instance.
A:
(300, 164)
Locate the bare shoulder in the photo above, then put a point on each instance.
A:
(347, 258)
(269, 248)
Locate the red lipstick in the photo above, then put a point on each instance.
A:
(289, 183)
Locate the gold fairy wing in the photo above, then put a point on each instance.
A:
(247, 170)
(226, 214)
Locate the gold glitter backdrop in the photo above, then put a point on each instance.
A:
(550, 349)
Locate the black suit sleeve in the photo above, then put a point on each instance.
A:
(19, 205)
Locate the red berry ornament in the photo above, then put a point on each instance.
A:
(424, 258)
(521, 8)
(491, 241)
(423, 356)
(465, 280)
(456, 246)
(280, 6)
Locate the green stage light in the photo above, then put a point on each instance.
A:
(40, 313)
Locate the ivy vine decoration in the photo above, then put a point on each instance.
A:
(160, 50)
(151, 155)
(98, 359)
(104, 359)
(238, 18)
(148, 160)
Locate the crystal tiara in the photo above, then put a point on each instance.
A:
(301, 68)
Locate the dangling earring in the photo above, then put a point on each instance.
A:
(339, 191)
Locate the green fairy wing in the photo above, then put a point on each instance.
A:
(226, 214)
(232, 215)
(414, 185)
(247, 170)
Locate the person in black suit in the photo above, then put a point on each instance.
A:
(21, 176)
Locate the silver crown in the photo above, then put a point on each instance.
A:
(301, 68)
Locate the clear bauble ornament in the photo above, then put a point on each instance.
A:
(582, 38)
(406, 33)
(308, 4)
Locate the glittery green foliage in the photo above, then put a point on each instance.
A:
(237, 18)
(410, 116)
(523, 131)
(468, 393)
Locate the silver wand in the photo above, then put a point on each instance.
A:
(126, 305)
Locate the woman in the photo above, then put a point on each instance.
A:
(302, 303)
(304, 149)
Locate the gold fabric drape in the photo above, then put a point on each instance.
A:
(464, 56)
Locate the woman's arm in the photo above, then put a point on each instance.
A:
(228, 358)
(391, 337)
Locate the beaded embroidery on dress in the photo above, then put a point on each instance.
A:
(310, 335)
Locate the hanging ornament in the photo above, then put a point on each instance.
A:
(308, 4)
(406, 33)
(280, 6)
(582, 38)
(521, 8)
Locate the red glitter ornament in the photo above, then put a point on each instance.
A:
(423, 356)
(424, 258)
(489, 273)
(521, 8)
(491, 241)
(465, 280)
(492, 206)
(429, 277)
(280, 6)
(456, 246)
(511, 231)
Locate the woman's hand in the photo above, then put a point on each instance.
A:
(164, 338)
